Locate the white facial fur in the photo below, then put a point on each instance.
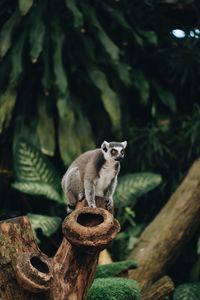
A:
(108, 157)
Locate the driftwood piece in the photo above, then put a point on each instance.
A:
(26, 273)
(159, 289)
(164, 238)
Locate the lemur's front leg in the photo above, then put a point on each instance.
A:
(110, 192)
(89, 192)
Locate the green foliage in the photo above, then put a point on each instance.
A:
(38, 189)
(114, 269)
(35, 175)
(7, 103)
(187, 291)
(24, 6)
(132, 186)
(7, 32)
(114, 289)
(109, 98)
(47, 224)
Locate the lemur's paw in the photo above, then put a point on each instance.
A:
(109, 204)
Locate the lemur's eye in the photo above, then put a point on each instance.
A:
(122, 152)
(113, 151)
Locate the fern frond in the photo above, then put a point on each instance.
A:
(38, 189)
(32, 166)
(132, 186)
(47, 224)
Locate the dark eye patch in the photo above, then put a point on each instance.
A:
(113, 151)
(122, 152)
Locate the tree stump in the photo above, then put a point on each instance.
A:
(27, 273)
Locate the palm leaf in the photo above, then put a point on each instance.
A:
(132, 186)
(47, 224)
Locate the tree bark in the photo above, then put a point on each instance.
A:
(16, 238)
(159, 289)
(28, 274)
(164, 238)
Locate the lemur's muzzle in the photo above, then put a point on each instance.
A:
(119, 158)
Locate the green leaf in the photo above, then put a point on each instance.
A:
(123, 72)
(37, 33)
(117, 15)
(77, 14)
(7, 33)
(48, 225)
(109, 46)
(132, 186)
(17, 59)
(38, 189)
(142, 85)
(24, 6)
(109, 98)
(114, 289)
(32, 166)
(150, 36)
(46, 126)
(47, 76)
(198, 246)
(166, 97)
(114, 269)
(187, 291)
(75, 133)
(7, 103)
(58, 37)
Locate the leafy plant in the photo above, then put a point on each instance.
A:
(187, 291)
(35, 175)
(47, 224)
(132, 186)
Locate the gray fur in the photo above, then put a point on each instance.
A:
(93, 174)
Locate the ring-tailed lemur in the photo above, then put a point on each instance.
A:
(94, 173)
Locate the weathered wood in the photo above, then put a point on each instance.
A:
(27, 274)
(16, 238)
(164, 238)
(76, 260)
(159, 289)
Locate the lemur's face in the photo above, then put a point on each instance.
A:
(113, 151)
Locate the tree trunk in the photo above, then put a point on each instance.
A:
(164, 238)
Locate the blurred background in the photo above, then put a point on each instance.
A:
(75, 73)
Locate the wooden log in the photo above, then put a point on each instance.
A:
(161, 288)
(164, 238)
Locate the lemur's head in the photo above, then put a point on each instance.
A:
(113, 151)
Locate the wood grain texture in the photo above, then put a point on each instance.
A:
(165, 237)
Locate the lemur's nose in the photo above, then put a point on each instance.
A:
(119, 158)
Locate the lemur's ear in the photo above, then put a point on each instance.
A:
(105, 146)
(124, 144)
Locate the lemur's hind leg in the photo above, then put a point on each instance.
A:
(72, 202)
